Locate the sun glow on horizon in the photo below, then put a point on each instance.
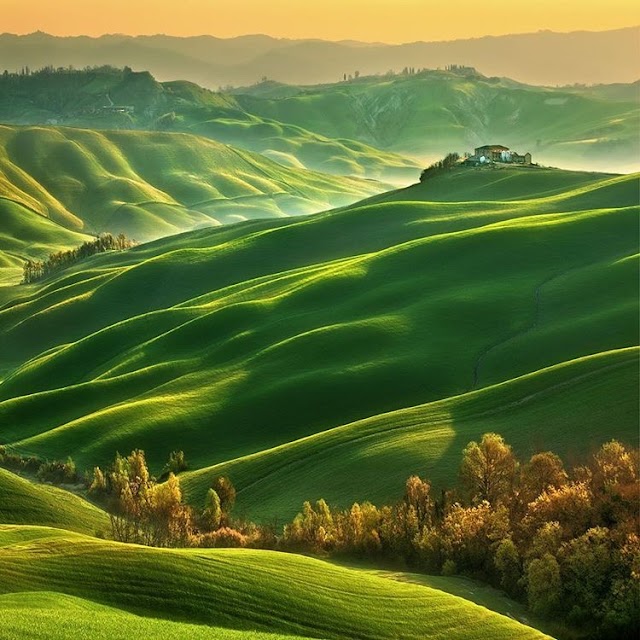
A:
(365, 20)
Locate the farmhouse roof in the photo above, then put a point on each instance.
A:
(493, 147)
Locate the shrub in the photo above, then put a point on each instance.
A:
(223, 538)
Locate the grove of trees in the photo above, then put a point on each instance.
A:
(34, 270)
(441, 166)
(565, 541)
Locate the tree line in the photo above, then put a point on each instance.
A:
(447, 163)
(34, 270)
(565, 541)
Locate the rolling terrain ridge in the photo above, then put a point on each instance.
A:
(250, 346)
(539, 58)
(60, 184)
(374, 127)
(61, 568)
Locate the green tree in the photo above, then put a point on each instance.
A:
(223, 486)
(212, 514)
(509, 566)
(544, 585)
(488, 469)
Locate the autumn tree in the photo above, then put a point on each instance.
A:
(488, 469)
(571, 506)
(167, 521)
(543, 471)
(418, 495)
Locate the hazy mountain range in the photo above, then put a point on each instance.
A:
(545, 57)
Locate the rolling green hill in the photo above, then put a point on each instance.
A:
(431, 113)
(109, 98)
(376, 127)
(26, 233)
(250, 346)
(57, 185)
(540, 411)
(25, 502)
(93, 580)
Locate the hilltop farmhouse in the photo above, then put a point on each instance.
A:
(497, 153)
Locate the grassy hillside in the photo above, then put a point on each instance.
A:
(206, 586)
(432, 113)
(368, 127)
(26, 233)
(232, 342)
(115, 99)
(53, 616)
(146, 185)
(25, 502)
(541, 411)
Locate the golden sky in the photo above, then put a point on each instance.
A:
(369, 20)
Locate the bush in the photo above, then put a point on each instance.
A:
(449, 568)
(223, 538)
(58, 472)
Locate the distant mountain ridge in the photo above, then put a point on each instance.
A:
(545, 58)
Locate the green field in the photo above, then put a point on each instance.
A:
(234, 589)
(25, 502)
(246, 345)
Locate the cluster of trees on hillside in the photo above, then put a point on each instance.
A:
(50, 70)
(146, 511)
(34, 270)
(567, 542)
(441, 166)
(54, 472)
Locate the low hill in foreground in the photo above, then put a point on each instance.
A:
(25, 502)
(91, 581)
(249, 347)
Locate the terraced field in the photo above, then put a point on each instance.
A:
(259, 348)
(91, 581)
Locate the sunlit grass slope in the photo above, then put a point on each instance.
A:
(44, 615)
(568, 409)
(230, 342)
(149, 185)
(25, 502)
(235, 589)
